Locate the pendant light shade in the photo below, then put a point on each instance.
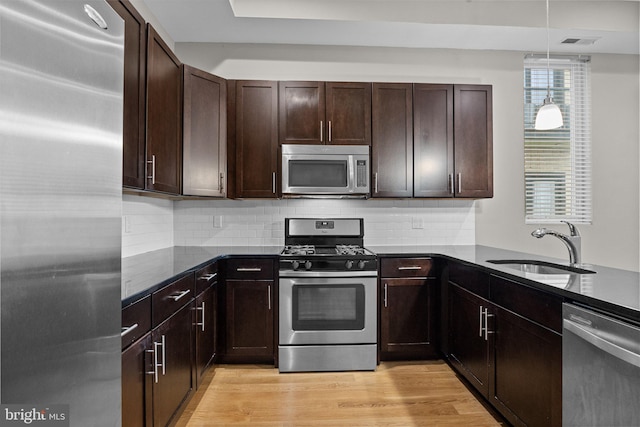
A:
(549, 115)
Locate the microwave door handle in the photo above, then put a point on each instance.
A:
(352, 174)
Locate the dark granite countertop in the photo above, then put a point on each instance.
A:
(142, 274)
(610, 289)
(613, 290)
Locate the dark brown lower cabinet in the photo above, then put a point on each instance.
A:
(205, 331)
(513, 361)
(468, 349)
(249, 321)
(172, 342)
(407, 321)
(137, 384)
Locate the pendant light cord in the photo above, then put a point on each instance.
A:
(548, 62)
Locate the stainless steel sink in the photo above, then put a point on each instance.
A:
(540, 267)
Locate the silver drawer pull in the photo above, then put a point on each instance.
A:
(413, 267)
(125, 330)
(180, 295)
(248, 269)
(208, 277)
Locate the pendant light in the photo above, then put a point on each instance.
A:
(549, 115)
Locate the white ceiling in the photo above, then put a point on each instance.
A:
(459, 24)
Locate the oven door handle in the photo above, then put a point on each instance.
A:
(322, 274)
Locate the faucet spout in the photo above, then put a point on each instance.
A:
(572, 242)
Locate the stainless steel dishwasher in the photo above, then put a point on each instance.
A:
(600, 370)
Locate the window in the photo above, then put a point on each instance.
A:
(557, 163)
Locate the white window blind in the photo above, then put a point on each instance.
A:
(558, 161)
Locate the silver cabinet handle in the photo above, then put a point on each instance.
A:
(451, 183)
(153, 169)
(613, 349)
(481, 322)
(459, 183)
(208, 277)
(154, 372)
(273, 183)
(248, 269)
(156, 363)
(222, 182)
(386, 295)
(180, 295)
(486, 324)
(321, 130)
(201, 309)
(375, 182)
(126, 330)
(411, 267)
(329, 130)
(269, 296)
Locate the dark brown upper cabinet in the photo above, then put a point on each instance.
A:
(253, 139)
(164, 116)
(135, 59)
(324, 113)
(433, 120)
(392, 140)
(473, 130)
(204, 134)
(432, 141)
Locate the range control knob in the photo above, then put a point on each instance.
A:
(361, 264)
(295, 264)
(307, 265)
(348, 264)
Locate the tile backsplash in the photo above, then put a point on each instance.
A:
(150, 224)
(147, 224)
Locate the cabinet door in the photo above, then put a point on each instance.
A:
(173, 348)
(433, 140)
(407, 318)
(204, 134)
(473, 119)
(256, 139)
(137, 384)
(164, 116)
(205, 331)
(392, 140)
(468, 349)
(527, 371)
(348, 113)
(302, 113)
(250, 320)
(135, 59)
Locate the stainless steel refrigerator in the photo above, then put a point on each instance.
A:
(61, 88)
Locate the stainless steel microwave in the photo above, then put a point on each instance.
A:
(325, 170)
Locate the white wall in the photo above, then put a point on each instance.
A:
(611, 240)
(147, 224)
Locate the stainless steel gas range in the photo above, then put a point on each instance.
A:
(328, 297)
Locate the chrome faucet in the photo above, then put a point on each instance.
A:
(572, 241)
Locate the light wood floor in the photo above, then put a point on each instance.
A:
(425, 393)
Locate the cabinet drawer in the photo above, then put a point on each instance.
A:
(250, 268)
(405, 267)
(469, 277)
(169, 299)
(205, 277)
(136, 320)
(533, 304)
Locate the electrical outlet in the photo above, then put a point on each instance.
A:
(416, 222)
(217, 221)
(127, 223)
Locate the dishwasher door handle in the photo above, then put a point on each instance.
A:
(601, 343)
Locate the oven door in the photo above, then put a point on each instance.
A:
(328, 310)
